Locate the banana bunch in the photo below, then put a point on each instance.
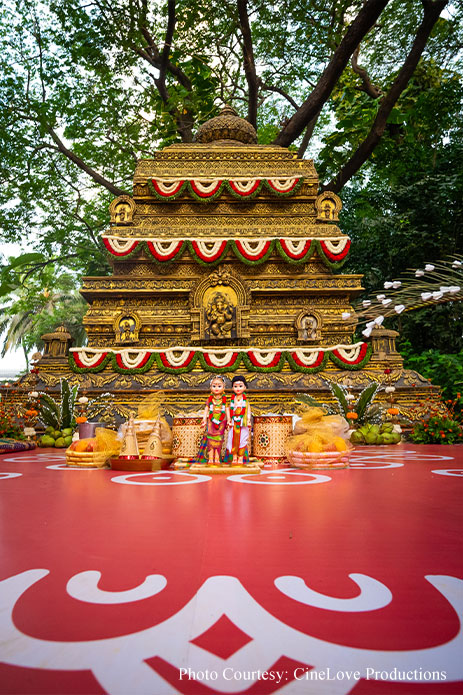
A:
(376, 434)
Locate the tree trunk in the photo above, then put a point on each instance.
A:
(432, 10)
(321, 93)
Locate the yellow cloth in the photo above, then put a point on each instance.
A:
(106, 441)
(151, 408)
(317, 432)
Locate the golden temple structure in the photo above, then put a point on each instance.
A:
(225, 260)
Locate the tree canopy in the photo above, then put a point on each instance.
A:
(87, 87)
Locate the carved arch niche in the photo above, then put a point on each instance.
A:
(308, 326)
(126, 328)
(219, 307)
(328, 206)
(121, 210)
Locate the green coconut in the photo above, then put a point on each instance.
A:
(357, 437)
(59, 443)
(371, 437)
(47, 440)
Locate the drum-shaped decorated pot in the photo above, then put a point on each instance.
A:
(270, 435)
(187, 433)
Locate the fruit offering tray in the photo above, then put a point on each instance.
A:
(320, 460)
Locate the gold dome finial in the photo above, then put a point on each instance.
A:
(227, 126)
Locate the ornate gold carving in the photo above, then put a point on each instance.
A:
(277, 207)
(189, 161)
(126, 328)
(121, 210)
(308, 325)
(328, 207)
(234, 226)
(227, 126)
(220, 307)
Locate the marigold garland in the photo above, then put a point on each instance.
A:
(261, 258)
(201, 261)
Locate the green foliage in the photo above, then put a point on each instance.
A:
(443, 369)
(340, 395)
(365, 401)
(82, 79)
(38, 303)
(68, 399)
(11, 424)
(438, 430)
(306, 399)
(59, 413)
(49, 411)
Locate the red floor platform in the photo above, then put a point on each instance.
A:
(323, 583)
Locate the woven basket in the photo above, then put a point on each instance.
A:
(270, 435)
(86, 459)
(326, 460)
(187, 433)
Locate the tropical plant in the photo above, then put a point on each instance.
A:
(439, 429)
(37, 304)
(443, 369)
(364, 408)
(59, 414)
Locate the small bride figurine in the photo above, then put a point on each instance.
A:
(240, 414)
(216, 419)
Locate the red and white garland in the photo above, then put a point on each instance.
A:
(334, 249)
(205, 188)
(183, 358)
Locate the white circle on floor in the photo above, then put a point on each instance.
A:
(159, 479)
(266, 479)
(454, 472)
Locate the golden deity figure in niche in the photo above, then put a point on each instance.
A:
(122, 214)
(219, 315)
(309, 325)
(127, 328)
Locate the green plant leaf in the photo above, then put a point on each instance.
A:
(339, 393)
(365, 399)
